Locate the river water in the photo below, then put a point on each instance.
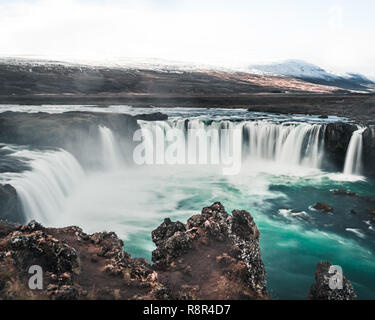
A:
(283, 173)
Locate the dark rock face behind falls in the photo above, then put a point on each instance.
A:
(10, 206)
(337, 139)
(336, 142)
(369, 150)
(214, 256)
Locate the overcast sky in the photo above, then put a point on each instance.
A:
(337, 35)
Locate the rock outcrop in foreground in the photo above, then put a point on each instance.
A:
(214, 256)
(321, 289)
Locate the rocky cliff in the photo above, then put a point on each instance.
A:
(214, 256)
(336, 142)
(369, 150)
(337, 138)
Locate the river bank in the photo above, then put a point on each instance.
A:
(358, 107)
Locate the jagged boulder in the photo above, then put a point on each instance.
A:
(75, 265)
(322, 206)
(214, 256)
(321, 290)
(213, 250)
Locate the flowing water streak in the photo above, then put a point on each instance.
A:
(286, 143)
(353, 160)
(54, 175)
(111, 156)
(44, 189)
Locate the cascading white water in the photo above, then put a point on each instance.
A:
(111, 156)
(44, 189)
(353, 159)
(287, 143)
(53, 176)
(296, 144)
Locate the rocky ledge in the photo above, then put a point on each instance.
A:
(213, 256)
(321, 289)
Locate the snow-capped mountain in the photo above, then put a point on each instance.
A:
(312, 73)
(360, 78)
(155, 64)
(293, 68)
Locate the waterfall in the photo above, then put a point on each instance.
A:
(353, 159)
(53, 176)
(44, 189)
(111, 157)
(288, 143)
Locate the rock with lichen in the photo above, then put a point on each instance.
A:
(321, 289)
(213, 250)
(214, 256)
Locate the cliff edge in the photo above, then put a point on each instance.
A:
(214, 256)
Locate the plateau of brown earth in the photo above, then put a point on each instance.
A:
(64, 84)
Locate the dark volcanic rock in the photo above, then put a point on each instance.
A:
(10, 207)
(336, 142)
(337, 139)
(157, 116)
(214, 256)
(214, 250)
(69, 270)
(343, 192)
(369, 150)
(166, 230)
(370, 199)
(321, 289)
(322, 206)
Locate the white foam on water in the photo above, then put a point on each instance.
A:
(357, 232)
(287, 213)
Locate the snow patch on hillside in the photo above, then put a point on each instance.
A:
(302, 69)
(289, 68)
